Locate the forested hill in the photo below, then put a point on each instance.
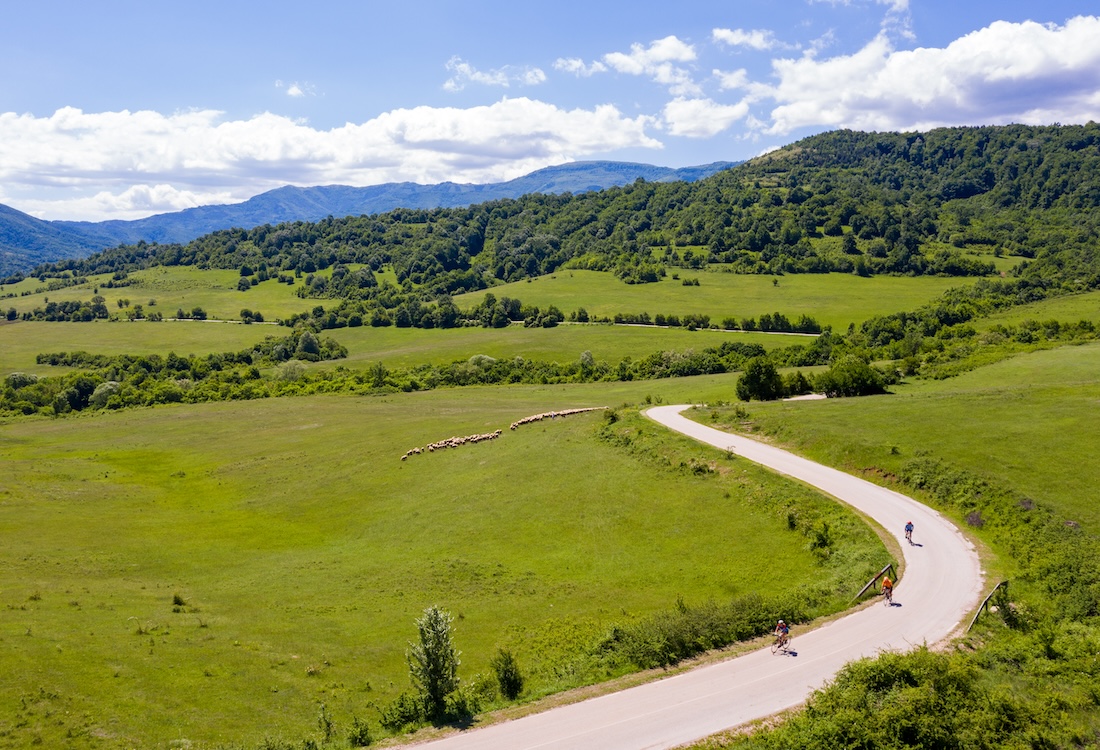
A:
(26, 241)
(939, 202)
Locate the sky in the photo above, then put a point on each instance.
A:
(119, 110)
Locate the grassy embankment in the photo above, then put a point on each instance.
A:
(301, 549)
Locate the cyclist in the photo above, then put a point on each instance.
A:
(782, 633)
(909, 531)
(888, 588)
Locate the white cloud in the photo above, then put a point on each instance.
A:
(701, 118)
(656, 61)
(577, 67)
(737, 79)
(297, 90)
(100, 165)
(758, 39)
(1006, 72)
(464, 73)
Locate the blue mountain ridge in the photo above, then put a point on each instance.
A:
(26, 241)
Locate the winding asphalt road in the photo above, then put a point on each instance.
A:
(942, 583)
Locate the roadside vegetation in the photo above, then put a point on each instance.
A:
(1016, 473)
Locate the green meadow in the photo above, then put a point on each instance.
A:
(1029, 422)
(832, 299)
(173, 288)
(1069, 308)
(195, 575)
(411, 346)
(22, 341)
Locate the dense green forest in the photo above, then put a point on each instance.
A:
(892, 203)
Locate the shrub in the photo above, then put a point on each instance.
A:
(509, 678)
(359, 735)
(405, 711)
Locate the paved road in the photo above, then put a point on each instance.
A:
(942, 584)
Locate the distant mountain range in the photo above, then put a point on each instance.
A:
(26, 241)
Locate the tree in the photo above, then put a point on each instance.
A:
(308, 347)
(850, 376)
(433, 661)
(760, 381)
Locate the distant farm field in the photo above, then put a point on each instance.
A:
(833, 299)
(410, 346)
(173, 288)
(1067, 309)
(212, 573)
(20, 342)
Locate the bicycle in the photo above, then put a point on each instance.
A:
(888, 596)
(781, 643)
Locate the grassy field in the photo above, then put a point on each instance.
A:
(1029, 422)
(174, 287)
(1070, 309)
(212, 573)
(20, 342)
(409, 346)
(833, 299)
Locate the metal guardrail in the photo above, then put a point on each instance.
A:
(982, 606)
(889, 568)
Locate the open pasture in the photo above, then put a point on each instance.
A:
(400, 347)
(1068, 309)
(174, 288)
(21, 342)
(210, 574)
(1029, 423)
(832, 299)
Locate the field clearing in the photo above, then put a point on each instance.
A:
(1067, 309)
(20, 342)
(175, 287)
(401, 347)
(1029, 422)
(832, 299)
(303, 556)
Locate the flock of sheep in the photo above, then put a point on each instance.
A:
(454, 442)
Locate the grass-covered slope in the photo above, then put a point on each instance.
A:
(211, 574)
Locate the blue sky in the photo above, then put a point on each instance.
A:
(125, 109)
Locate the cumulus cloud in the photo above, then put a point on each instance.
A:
(897, 20)
(296, 90)
(577, 67)
(1007, 72)
(757, 39)
(736, 79)
(701, 118)
(657, 61)
(96, 159)
(462, 73)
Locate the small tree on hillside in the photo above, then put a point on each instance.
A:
(433, 661)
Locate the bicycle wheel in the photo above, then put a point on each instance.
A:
(775, 645)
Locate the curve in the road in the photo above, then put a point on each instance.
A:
(942, 583)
